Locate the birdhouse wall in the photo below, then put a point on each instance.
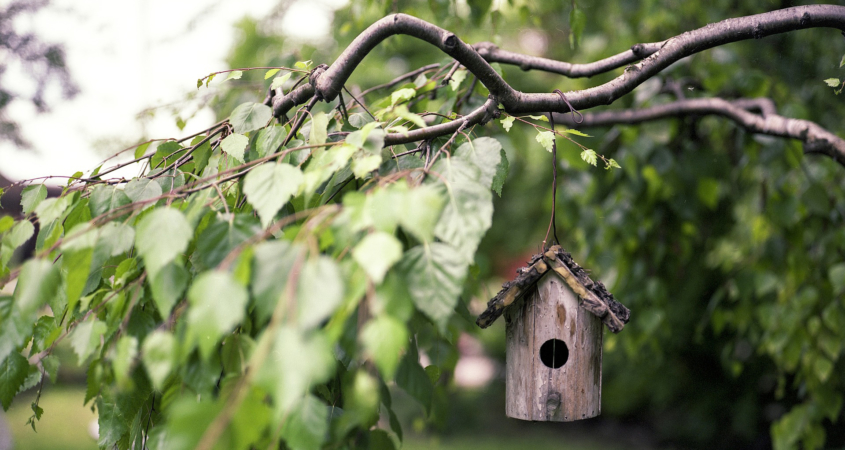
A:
(536, 390)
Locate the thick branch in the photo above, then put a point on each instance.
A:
(327, 83)
(676, 48)
(482, 114)
(492, 53)
(815, 138)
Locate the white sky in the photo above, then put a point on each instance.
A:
(127, 56)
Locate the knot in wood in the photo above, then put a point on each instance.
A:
(450, 42)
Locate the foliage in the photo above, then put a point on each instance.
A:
(265, 283)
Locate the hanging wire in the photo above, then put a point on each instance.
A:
(552, 226)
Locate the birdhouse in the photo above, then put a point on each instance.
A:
(553, 315)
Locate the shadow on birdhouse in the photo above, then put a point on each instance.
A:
(554, 338)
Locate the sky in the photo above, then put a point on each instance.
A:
(127, 56)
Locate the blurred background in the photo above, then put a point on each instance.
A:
(729, 248)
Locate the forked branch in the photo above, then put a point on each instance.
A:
(815, 138)
(327, 82)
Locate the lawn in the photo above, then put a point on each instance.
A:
(63, 426)
(66, 422)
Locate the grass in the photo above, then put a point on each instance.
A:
(63, 426)
(534, 441)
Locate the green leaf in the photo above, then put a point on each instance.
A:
(708, 192)
(13, 372)
(234, 146)
(421, 210)
(269, 186)
(577, 23)
(31, 196)
(250, 116)
(325, 165)
(589, 156)
(469, 209)
(141, 150)
(319, 292)
(457, 78)
(303, 64)
(166, 154)
(159, 354)
(433, 373)
(402, 95)
(106, 198)
(358, 120)
(270, 139)
(142, 189)
(384, 341)
(363, 165)
(836, 273)
(542, 118)
(37, 284)
(376, 253)
(412, 379)
(235, 75)
(221, 237)
(546, 139)
(217, 304)
(507, 123)
(17, 236)
(270, 73)
(6, 222)
(576, 133)
(126, 350)
(200, 154)
(161, 236)
(611, 163)
(299, 362)
(435, 276)
(86, 338)
(484, 153)
(14, 328)
(842, 63)
(76, 267)
(280, 81)
(272, 267)
(168, 285)
(319, 126)
(51, 209)
(117, 237)
(501, 173)
(307, 426)
(832, 82)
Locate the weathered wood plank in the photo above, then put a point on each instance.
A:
(536, 391)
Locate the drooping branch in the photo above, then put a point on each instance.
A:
(815, 138)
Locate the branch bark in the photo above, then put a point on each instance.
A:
(492, 53)
(815, 138)
(326, 83)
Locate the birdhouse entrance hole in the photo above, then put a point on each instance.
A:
(554, 353)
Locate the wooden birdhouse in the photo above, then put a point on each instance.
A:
(554, 314)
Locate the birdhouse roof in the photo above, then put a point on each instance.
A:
(593, 296)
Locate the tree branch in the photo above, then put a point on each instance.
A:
(327, 83)
(490, 52)
(815, 138)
